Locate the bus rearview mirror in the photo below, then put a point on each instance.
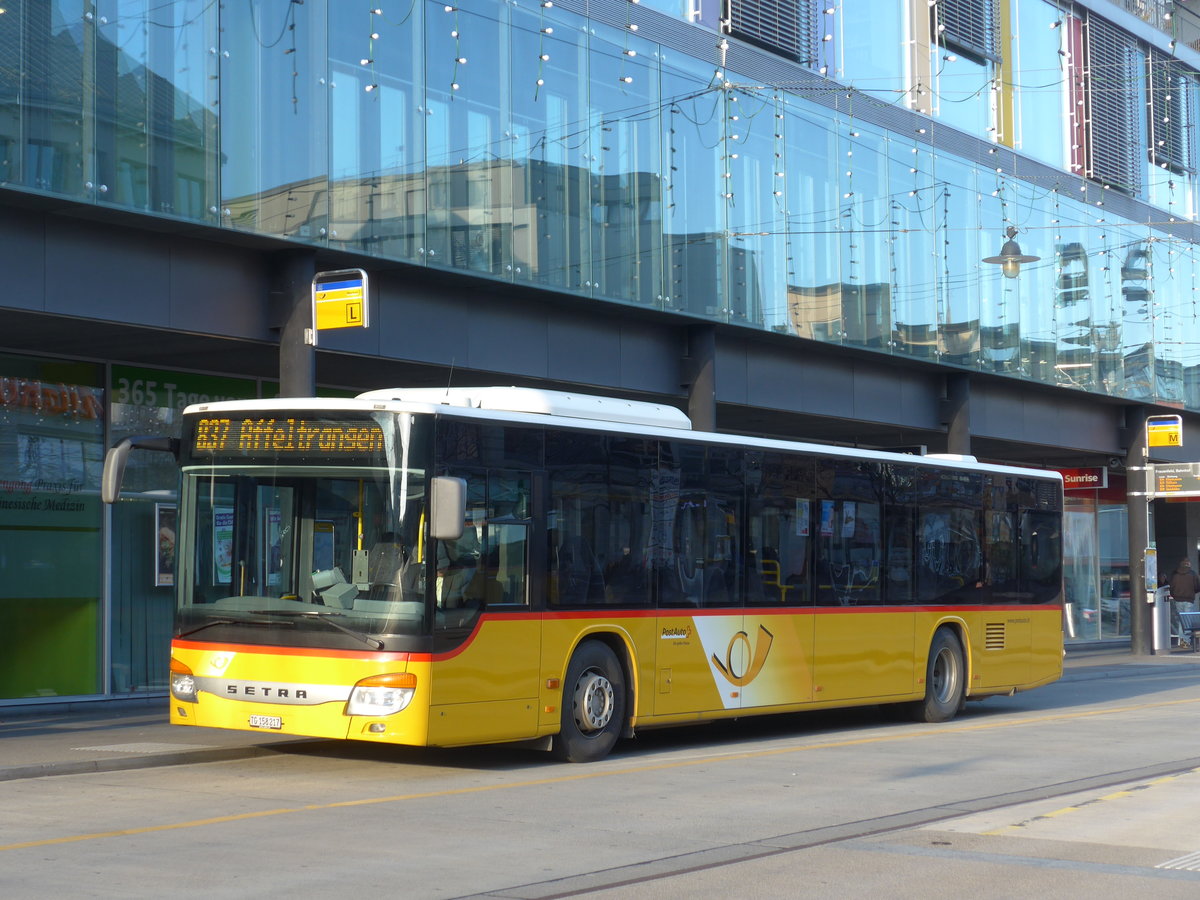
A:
(447, 508)
(118, 455)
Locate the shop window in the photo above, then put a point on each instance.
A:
(149, 401)
(52, 420)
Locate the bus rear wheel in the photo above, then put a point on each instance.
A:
(945, 679)
(593, 705)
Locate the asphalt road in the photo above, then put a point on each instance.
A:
(1089, 787)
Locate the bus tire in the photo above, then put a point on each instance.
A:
(593, 705)
(945, 679)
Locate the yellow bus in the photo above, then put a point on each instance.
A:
(453, 567)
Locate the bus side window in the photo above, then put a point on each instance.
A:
(850, 534)
(700, 516)
(505, 563)
(779, 529)
(1041, 555)
(600, 521)
(899, 559)
(503, 576)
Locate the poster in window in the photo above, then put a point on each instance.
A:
(222, 545)
(802, 523)
(164, 542)
(826, 518)
(272, 520)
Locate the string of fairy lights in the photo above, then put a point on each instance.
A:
(755, 142)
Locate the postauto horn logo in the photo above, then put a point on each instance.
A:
(739, 648)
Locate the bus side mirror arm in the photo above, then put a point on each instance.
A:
(118, 456)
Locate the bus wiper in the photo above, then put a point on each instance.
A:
(224, 620)
(326, 618)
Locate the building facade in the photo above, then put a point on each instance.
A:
(784, 216)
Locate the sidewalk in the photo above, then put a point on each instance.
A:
(119, 737)
(109, 737)
(1087, 662)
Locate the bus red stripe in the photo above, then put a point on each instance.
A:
(605, 614)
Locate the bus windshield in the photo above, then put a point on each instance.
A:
(307, 555)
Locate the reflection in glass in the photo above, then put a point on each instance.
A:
(812, 207)
(1041, 91)
(694, 203)
(51, 454)
(963, 90)
(532, 144)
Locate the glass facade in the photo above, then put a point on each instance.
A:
(831, 182)
(142, 527)
(1096, 564)
(70, 624)
(58, 636)
(528, 143)
(51, 452)
(525, 142)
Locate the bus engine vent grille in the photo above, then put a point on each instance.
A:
(993, 636)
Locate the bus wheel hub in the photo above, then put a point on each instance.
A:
(593, 702)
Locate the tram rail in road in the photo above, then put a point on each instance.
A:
(1038, 788)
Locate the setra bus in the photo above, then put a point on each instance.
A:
(452, 567)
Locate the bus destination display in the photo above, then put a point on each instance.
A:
(284, 436)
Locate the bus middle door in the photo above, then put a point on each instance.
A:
(700, 638)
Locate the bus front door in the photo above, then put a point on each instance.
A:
(486, 688)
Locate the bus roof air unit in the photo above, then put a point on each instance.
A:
(541, 402)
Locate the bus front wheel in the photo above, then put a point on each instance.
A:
(593, 704)
(945, 679)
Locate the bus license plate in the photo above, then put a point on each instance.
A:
(266, 722)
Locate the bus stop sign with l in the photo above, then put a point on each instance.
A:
(340, 300)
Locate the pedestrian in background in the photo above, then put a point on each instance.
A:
(1183, 584)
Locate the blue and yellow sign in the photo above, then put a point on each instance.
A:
(340, 300)
(1164, 431)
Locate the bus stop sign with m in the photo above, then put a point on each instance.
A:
(1164, 431)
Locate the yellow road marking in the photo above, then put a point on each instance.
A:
(595, 772)
(1115, 795)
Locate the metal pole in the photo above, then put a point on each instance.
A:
(297, 357)
(957, 414)
(1137, 501)
(700, 376)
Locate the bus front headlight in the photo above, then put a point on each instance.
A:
(382, 695)
(183, 683)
